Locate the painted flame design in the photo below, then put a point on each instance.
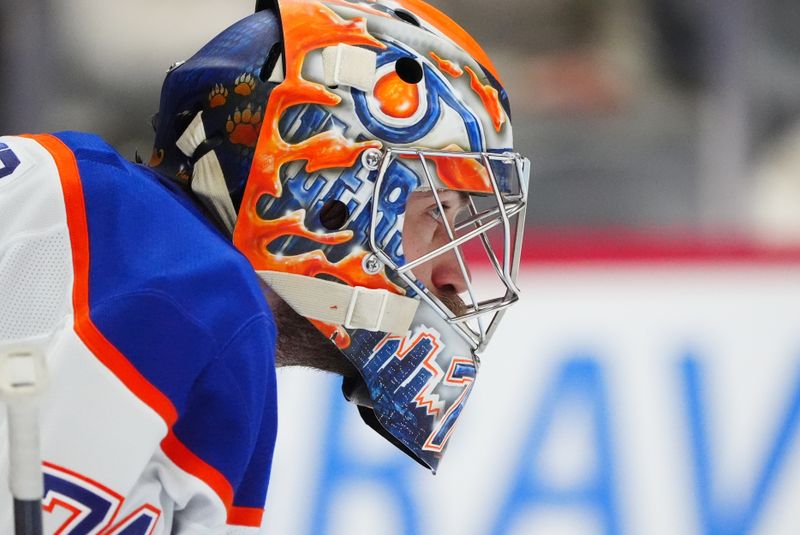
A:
(490, 99)
(464, 174)
(447, 66)
(310, 26)
(307, 26)
(488, 94)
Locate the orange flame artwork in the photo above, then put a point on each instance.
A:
(307, 26)
(447, 66)
(490, 99)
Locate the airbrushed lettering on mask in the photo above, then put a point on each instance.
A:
(8, 161)
(353, 187)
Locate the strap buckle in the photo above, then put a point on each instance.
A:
(22, 373)
(351, 307)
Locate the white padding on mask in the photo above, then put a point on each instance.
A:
(349, 65)
(338, 304)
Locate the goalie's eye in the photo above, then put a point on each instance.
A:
(435, 213)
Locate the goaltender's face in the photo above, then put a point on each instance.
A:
(301, 345)
(424, 231)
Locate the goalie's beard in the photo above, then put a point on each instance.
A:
(301, 344)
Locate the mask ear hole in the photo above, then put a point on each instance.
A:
(334, 214)
(409, 70)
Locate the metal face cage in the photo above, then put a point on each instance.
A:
(494, 189)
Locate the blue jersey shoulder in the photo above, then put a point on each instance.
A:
(184, 307)
(147, 236)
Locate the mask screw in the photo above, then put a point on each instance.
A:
(372, 265)
(371, 159)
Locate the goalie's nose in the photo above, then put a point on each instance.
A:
(447, 277)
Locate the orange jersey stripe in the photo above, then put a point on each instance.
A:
(109, 355)
(84, 327)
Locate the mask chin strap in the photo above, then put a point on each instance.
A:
(208, 182)
(339, 304)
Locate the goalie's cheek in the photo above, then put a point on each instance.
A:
(423, 233)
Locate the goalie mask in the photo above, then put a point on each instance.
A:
(360, 155)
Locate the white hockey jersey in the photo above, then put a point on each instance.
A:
(160, 416)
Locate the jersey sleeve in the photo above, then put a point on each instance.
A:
(230, 421)
(160, 413)
(214, 462)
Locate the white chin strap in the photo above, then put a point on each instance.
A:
(339, 304)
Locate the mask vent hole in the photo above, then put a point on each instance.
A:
(409, 70)
(406, 16)
(334, 214)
